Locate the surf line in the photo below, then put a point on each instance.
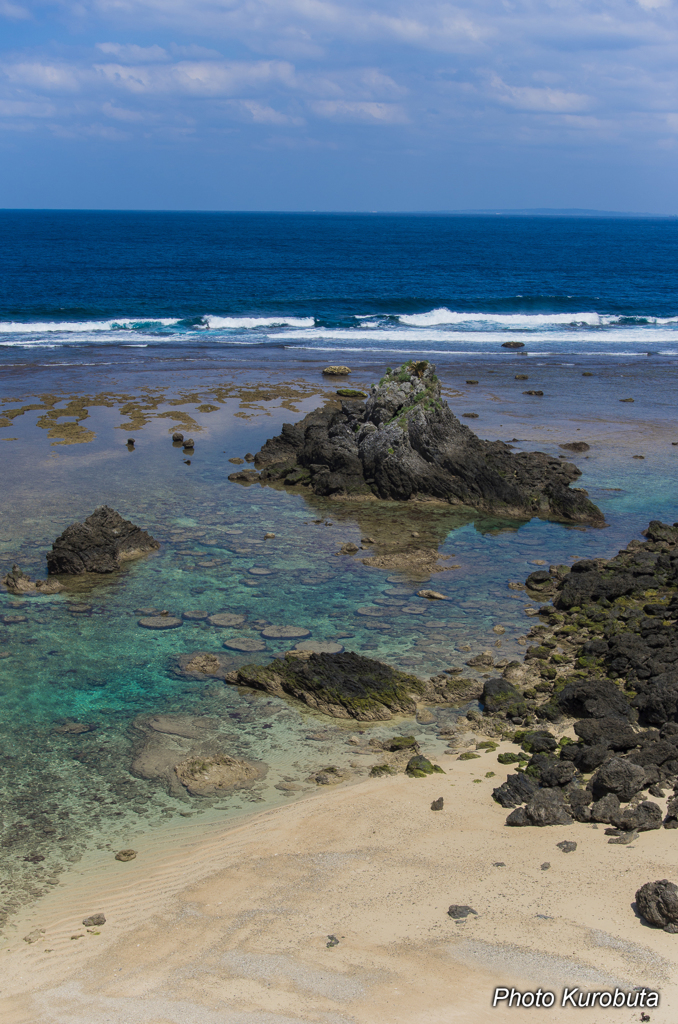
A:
(578, 999)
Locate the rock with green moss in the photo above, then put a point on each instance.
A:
(404, 442)
(508, 757)
(419, 767)
(468, 755)
(343, 685)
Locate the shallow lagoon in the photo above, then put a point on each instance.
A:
(81, 655)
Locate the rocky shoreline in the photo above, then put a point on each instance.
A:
(595, 702)
(404, 443)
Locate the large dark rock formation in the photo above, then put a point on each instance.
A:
(99, 544)
(404, 442)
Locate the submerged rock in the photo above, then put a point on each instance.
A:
(18, 582)
(404, 442)
(211, 776)
(98, 545)
(347, 685)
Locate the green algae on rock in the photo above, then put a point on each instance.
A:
(404, 443)
(347, 685)
(342, 685)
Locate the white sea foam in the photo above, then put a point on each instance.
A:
(635, 335)
(232, 322)
(81, 326)
(521, 320)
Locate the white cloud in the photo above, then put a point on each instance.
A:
(539, 99)
(196, 78)
(15, 12)
(374, 113)
(131, 54)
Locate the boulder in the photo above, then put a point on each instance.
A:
(343, 685)
(657, 902)
(587, 759)
(516, 790)
(501, 696)
(552, 771)
(618, 776)
(546, 807)
(594, 698)
(606, 810)
(646, 817)
(98, 545)
(404, 442)
(614, 733)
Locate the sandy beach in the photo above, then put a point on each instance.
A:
(225, 925)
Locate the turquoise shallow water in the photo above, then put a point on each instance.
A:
(81, 655)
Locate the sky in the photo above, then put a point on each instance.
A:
(321, 105)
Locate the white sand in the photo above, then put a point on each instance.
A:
(218, 925)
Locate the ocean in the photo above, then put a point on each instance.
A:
(95, 285)
(118, 325)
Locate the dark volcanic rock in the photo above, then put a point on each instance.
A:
(546, 807)
(459, 911)
(606, 810)
(501, 696)
(516, 790)
(657, 902)
(612, 732)
(552, 771)
(342, 685)
(596, 698)
(404, 442)
(618, 776)
(99, 544)
(644, 818)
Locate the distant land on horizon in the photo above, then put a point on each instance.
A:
(536, 212)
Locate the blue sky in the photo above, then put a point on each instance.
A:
(309, 104)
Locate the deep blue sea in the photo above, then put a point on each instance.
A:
(179, 284)
(118, 325)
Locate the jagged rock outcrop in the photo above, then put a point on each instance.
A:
(405, 443)
(99, 544)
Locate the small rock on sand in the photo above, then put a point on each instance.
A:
(125, 855)
(95, 921)
(460, 911)
(437, 805)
